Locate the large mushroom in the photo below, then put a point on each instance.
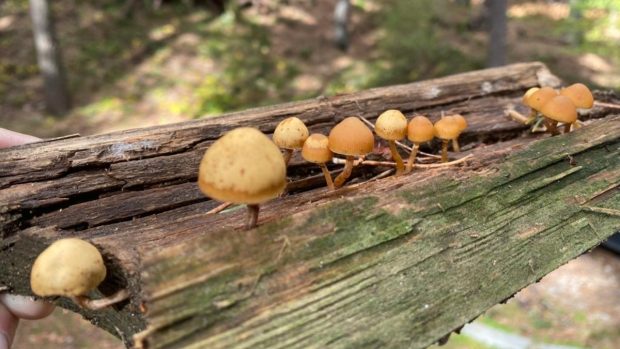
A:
(391, 125)
(419, 130)
(290, 135)
(316, 150)
(559, 109)
(244, 167)
(72, 268)
(351, 138)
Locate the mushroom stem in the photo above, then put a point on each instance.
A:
(328, 177)
(412, 156)
(567, 128)
(98, 304)
(288, 153)
(552, 126)
(346, 172)
(444, 150)
(455, 145)
(252, 216)
(575, 125)
(400, 166)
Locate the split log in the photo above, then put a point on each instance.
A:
(400, 261)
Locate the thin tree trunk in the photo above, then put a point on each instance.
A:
(497, 32)
(57, 99)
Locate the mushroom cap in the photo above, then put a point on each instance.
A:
(461, 121)
(420, 129)
(290, 133)
(391, 125)
(529, 94)
(244, 166)
(540, 97)
(351, 137)
(561, 109)
(68, 267)
(447, 128)
(580, 94)
(316, 149)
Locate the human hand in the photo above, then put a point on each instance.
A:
(13, 308)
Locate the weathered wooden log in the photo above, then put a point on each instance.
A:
(399, 261)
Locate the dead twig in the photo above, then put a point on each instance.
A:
(219, 208)
(393, 164)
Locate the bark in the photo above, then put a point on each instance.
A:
(373, 264)
(57, 98)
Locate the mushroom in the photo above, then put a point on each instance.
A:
(462, 123)
(448, 129)
(582, 98)
(72, 268)
(391, 125)
(316, 150)
(245, 167)
(419, 130)
(351, 138)
(290, 135)
(538, 99)
(560, 109)
(528, 94)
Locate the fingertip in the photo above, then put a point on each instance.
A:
(26, 307)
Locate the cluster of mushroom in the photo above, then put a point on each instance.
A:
(557, 106)
(245, 167)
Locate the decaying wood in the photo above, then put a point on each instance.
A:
(392, 262)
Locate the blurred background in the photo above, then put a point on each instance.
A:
(99, 66)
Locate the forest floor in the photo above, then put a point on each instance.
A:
(180, 63)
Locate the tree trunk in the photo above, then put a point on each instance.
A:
(57, 98)
(497, 32)
(378, 263)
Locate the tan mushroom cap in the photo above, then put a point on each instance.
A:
(244, 166)
(561, 109)
(391, 125)
(539, 98)
(461, 121)
(316, 149)
(580, 94)
(68, 267)
(447, 128)
(290, 133)
(351, 137)
(529, 94)
(420, 129)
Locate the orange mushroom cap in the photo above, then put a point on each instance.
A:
(351, 137)
(561, 109)
(420, 129)
(580, 94)
(460, 120)
(391, 125)
(539, 98)
(529, 94)
(447, 128)
(316, 149)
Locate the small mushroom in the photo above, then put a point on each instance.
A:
(559, 109)
(316, 150)
(580, 95)
(245, 167)
(419, 130)
(540, 97)
(72, 268)
(391, 125)
(447, 129)
(351, 138)
(462, 123)
(528, 94)
(290, 135)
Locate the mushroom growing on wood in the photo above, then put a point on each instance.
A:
(419, 130)
(290, 135)
(316, 150)
(448, 129)
(462, 124)
(72, 268)
(559, 109)
(391, 125)
(245, 167)
(528, 94)
(580, 95)
(351, 138)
